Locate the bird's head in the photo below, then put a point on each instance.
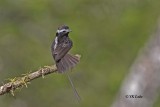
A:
(63, 30)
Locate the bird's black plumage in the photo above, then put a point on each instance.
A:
(60, 48)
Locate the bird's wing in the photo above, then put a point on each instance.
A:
(61, 49)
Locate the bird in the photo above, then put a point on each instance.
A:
(60, 47)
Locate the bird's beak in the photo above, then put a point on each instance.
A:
(69, 30)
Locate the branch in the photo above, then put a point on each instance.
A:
(20, 82)
(24, 80)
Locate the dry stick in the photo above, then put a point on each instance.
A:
(22, 81)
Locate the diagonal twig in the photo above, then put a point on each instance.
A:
(22, 81)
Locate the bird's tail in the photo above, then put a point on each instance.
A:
(74, 89)
(67, 62)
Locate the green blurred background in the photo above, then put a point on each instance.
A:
(107, 33)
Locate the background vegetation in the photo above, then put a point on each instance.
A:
(107, 33)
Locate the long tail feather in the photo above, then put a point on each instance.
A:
(65, 64)
(74, 89)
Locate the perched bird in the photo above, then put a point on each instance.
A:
(60, 48)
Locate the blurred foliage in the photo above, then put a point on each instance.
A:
(107, 33)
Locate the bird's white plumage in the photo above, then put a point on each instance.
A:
(59, 31)
(56, 42)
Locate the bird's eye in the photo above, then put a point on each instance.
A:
(64, 31)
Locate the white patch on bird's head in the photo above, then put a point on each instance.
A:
(63, 30)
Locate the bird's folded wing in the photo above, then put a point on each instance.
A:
(61, 50)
